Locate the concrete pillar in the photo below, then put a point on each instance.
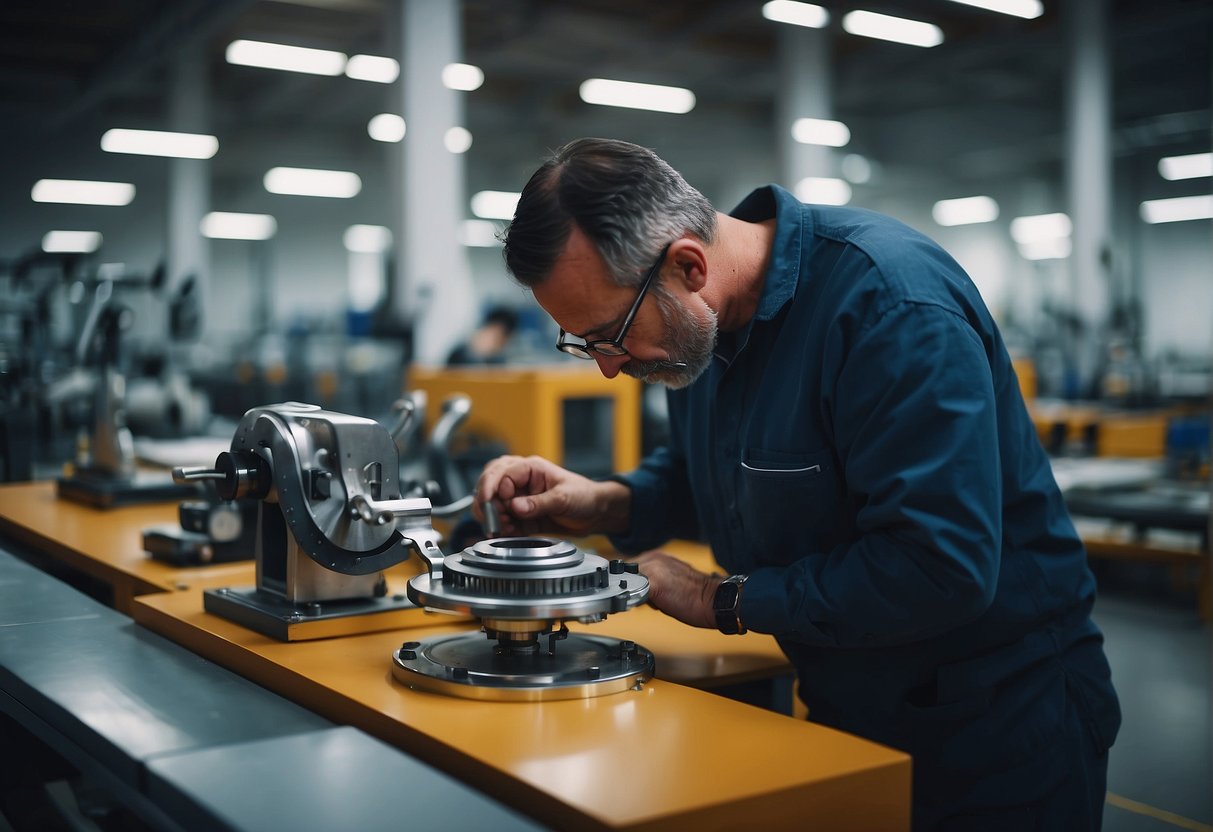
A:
(1089, 173)
(805, 90)
(189, 191)
(433, 283)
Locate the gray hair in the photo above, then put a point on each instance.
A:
(625, 198)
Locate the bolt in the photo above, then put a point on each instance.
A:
(459, 672)
(408, 654)
(617, 566)
(593, 672)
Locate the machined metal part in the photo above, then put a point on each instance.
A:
(473, 667)
(524, 589)
(529, 578)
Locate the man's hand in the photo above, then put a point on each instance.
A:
(538, 496)
(680, 590)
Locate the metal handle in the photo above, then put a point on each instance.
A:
(381, 512)
(188, 475)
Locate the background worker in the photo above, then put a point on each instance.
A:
(848, 435)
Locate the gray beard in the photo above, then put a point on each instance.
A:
(689, 343)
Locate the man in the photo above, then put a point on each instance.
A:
(489, 342)
(849, 437)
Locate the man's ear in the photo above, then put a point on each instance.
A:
(691, 261)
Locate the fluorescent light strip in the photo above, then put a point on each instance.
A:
(895, 29)
(1027, 9)
(386, 127)
(457, 140)
(495, 205)
(797, 14)
(82, 192)
(226, 225)
(373, 68)
(637, 96)
(464, 77)
(337, 184)
(968, 210)
(479, 234)
(159, 143)
(367, 239)
(288, 58)
(1178, 209)
(1058, 248)
(1192, 166)
(823, 191)
(1039, 227)
(71, 242)
(821, 131)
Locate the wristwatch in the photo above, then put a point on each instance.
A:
(727, 605)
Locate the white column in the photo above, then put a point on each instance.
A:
(433, 280)
(189, 192)
(805, 90)
(1089, 172)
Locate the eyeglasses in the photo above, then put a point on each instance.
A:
(612, 346)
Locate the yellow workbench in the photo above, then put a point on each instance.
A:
(665, 757)
(104, 544)
(668, 756)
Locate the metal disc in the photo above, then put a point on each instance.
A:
(469, 666)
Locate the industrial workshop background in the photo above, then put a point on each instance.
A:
(210, 206)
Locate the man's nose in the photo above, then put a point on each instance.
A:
(610, 365)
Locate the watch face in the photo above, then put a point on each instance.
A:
(726, 596)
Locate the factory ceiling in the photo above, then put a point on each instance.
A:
(990, 97)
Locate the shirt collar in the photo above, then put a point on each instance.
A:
(783, 271)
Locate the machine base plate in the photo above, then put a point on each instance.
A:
(468, 665)
(277, 618)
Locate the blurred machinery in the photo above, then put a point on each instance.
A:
(104, 472)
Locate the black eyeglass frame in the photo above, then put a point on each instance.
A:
(613, 347)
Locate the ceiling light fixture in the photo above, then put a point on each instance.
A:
(479, 234)
(495, 205)
(227, 225)
(1192, 166)
(159, 143)
(821, 131)
(637, 96)
(457, 140)
(1058, 248)
(337, 184)
(895, 29)
(287, 58)
(1177, 209)
(1039, 227)
(367, 239)
(823, 191)
(386, 127)
(71, 242)
(464, 77)
(1028, 9)
(82, 192)
(797, 14)
(373, 68)
(969, 210)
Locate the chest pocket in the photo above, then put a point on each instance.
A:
(790, 503)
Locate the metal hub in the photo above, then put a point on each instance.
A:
(523, 589)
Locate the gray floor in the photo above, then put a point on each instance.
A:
(1160, 653)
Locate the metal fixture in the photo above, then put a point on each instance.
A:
(524, 590)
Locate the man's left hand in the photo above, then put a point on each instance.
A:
(680, 590)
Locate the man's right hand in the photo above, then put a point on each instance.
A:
(535, 496)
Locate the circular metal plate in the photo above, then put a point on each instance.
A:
(468, 665)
